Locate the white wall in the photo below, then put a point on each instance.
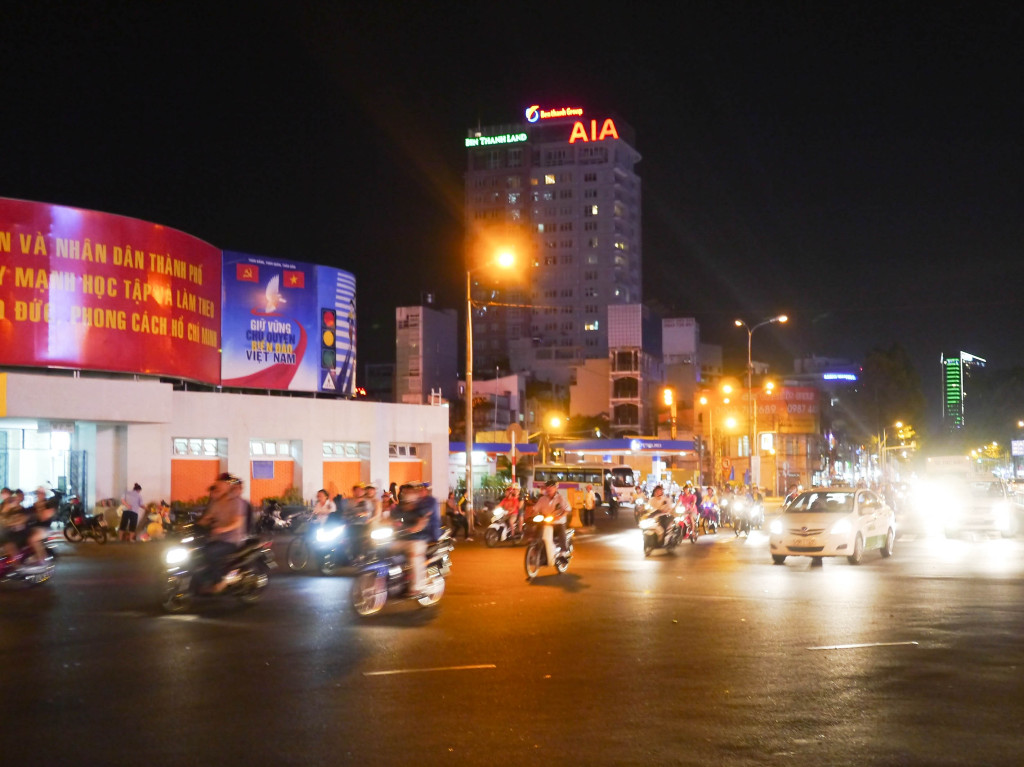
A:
(137, 421)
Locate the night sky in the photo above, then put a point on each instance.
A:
(863, 173)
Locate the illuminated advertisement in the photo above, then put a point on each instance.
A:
(504, 138)
(287, 325)
(788, 410)
(535, 113)
(579, 131)
(96, 291)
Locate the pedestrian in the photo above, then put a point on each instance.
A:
(456, 517)
(131, 513)
(589, 503)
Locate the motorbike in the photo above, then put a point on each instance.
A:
(709, 518)
(22, 568)
(725, 510)
(248, 573)
(661, 530)
(741, 521)
(536, 552)
(388, 575)
(500, 530)
(270, 519)
(332, 545)
(80, 526)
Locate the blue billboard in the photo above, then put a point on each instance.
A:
(287, 325)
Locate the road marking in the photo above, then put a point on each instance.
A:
(866, 644)
(425, 670)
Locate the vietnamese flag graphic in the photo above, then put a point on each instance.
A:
(247, 273)
(294, 279)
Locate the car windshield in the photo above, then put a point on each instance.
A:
(822, 502)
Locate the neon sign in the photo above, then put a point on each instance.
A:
(505, 138)
(579, 131)
(535, 113)
(838, 377)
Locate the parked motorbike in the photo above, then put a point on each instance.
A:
(500, 530)
(536, 552)
(248, 573)
(388, 575)
(22, 567)
(80, 526)
(661, 530)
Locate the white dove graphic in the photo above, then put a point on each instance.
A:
(274, 297)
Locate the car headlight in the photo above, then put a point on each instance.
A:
(775, 528)
(382, 534)
(842, 527)
(175, 556)
(539, 518)
(328, 534)
(646, 523)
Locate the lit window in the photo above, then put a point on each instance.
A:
(549, 178)
(591, 325)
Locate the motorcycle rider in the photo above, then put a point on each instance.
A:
(552, 504)
(421, 523)
(513, 506)
(324, 507)
(225, 519)
(660, 507)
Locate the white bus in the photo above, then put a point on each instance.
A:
(573, 479)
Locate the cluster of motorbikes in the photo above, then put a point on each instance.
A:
(668, 525)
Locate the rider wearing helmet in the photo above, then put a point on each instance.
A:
(225, 519)
(552, 504)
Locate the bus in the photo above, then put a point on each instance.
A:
(572, 479)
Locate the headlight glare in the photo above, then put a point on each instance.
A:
(175, 556)
(842, 527)
(775, 528)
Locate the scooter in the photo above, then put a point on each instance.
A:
(536, 552)
(388, 575)
(332, 545)
(500, 530)
(21, 567)
(248, 573)
(709, 518)
(661, 530)
(80, 526)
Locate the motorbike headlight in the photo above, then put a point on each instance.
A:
(549, 519)
(842, 527)
(646, 523)
(328, 534)
(382, 534)
(775, 528)
(188, 539)
(539, 518)
(175, 556)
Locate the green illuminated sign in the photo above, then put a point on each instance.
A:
(505, 138)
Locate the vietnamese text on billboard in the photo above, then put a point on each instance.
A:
(89, 290)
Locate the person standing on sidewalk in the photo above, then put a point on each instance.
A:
(132, 513)
(589, 503)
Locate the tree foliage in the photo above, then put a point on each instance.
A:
(888, 390)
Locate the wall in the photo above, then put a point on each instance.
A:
(138, 419)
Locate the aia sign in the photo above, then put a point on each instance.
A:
(579, 131)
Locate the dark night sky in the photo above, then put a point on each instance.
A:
(863, 173)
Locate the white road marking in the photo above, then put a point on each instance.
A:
(866, 644)
(392, 672)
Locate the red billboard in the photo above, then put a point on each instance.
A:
(94, 291)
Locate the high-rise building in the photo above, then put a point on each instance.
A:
(956, 371)
(564, 182)
(426, 360)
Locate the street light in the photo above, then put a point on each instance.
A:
(669, 398)
(504, 259)
(751, 410)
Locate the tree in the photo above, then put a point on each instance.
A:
(889, 390)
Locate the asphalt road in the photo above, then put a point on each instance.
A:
(711, 655)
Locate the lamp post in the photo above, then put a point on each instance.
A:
(751, 409)
(505, 260)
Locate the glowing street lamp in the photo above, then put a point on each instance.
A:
(751, 410)
(504, 259)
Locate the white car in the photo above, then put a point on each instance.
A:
(833, 522)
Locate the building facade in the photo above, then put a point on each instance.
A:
(426, 354)
(564, 183)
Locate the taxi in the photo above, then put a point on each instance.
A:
(833, 522)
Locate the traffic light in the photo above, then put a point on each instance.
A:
(328, 352)
(667, 396)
